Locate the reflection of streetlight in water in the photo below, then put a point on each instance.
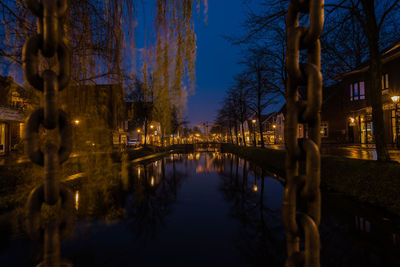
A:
(255, 188)
(77, 200)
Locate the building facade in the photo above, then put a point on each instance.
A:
(347, 110)
(12, 115)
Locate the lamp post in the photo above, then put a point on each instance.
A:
(254, 132)
(396, 100)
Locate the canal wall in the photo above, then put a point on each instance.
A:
(376, 183)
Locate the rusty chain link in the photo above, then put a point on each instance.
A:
(303, 155)
(49, 41)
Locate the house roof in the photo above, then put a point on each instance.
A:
(388, 54)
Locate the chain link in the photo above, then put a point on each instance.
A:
(49, 41)
(303, 156)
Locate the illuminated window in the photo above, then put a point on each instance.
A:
(385, 83)
(324, 129)
(357, 91)
(362, 90)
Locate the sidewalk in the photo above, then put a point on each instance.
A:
(17, 159)
(349, 151)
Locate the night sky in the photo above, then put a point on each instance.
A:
(216, 58)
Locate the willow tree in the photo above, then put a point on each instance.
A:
(101, 35)
(174, 59)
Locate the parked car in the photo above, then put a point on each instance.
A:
(133, 143)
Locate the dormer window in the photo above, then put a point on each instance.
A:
(357, 91)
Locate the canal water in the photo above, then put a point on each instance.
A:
(201, 209)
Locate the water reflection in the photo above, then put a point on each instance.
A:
(199, 209)
(77, 200)
(152, 193)
(260, 238)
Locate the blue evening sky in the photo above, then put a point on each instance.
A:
(216, 58)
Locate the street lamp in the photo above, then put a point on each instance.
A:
(395, 100)
(76, 122)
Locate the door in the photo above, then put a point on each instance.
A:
(351, 134)
(2, 138)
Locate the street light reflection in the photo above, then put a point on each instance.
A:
(77, 200)
(255, 188)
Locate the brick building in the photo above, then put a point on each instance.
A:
(347, 111)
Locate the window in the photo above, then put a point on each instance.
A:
(357, 91)
(324, 129)
(362, 90)
(385, 83)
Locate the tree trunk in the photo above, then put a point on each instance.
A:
(145, 133)
(244, 137)
(261, 130)
(236, 132)
(254, 135)
(230, 134)
(375, 68)
(259, 95)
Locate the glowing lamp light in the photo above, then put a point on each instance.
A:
(255, 188)
(138, 130)
(152, 181)
(151, 126)
(76, 122)
(352, 120)
(274, 126)
(253, 121)
(395, 98)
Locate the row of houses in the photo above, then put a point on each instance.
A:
(103, 113)
(346, 116)
(100, 116)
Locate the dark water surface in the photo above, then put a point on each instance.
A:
(203, 209)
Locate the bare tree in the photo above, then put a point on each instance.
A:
(261, 89)
(374, 18)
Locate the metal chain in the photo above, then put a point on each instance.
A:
(49, 41)
(303, 155)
